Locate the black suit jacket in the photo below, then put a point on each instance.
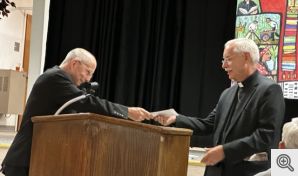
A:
(255, 126)
(51, 90)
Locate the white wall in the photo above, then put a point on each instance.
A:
(12, 29)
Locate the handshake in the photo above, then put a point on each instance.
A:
(165, 117)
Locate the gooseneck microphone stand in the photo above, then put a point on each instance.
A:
(89, 88)
(69, 102)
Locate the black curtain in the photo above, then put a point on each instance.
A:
(156, 54)
(138, 45)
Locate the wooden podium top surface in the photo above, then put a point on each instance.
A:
(112, 120)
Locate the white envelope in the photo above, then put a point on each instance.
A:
(167, 112)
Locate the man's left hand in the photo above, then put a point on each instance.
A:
(213, 155)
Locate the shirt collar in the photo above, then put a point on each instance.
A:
(248, 81)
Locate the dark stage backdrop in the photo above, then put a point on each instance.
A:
(156, 54)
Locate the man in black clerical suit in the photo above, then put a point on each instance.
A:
(247, 118)
(50, 91)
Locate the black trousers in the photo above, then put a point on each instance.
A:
(15, 170)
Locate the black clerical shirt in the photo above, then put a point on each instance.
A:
(242, 87)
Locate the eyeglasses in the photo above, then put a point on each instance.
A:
(87, 68)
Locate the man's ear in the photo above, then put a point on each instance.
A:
(281, 145)
(72, 63)
(247, 57)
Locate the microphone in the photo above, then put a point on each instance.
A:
(89, 87)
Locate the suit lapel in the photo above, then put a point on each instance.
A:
(225, 112)
(240, 106)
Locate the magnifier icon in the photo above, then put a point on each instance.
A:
(284, 161)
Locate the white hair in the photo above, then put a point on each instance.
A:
(242, 45)
(290, 134)
(79, 54)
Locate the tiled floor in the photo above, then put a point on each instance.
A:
(2, 155)
(6, 137)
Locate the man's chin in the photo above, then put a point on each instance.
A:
(78, 83)
(231, 78)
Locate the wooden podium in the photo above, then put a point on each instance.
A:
(95, 145)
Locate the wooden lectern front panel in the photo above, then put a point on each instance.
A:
(95, 147)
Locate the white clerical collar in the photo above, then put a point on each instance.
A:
(240, 84)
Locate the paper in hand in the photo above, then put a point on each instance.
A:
(167, 112)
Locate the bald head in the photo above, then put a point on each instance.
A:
(79, 54)
(80, 64)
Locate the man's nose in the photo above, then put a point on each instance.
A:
(88, 78)
(224, 65)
